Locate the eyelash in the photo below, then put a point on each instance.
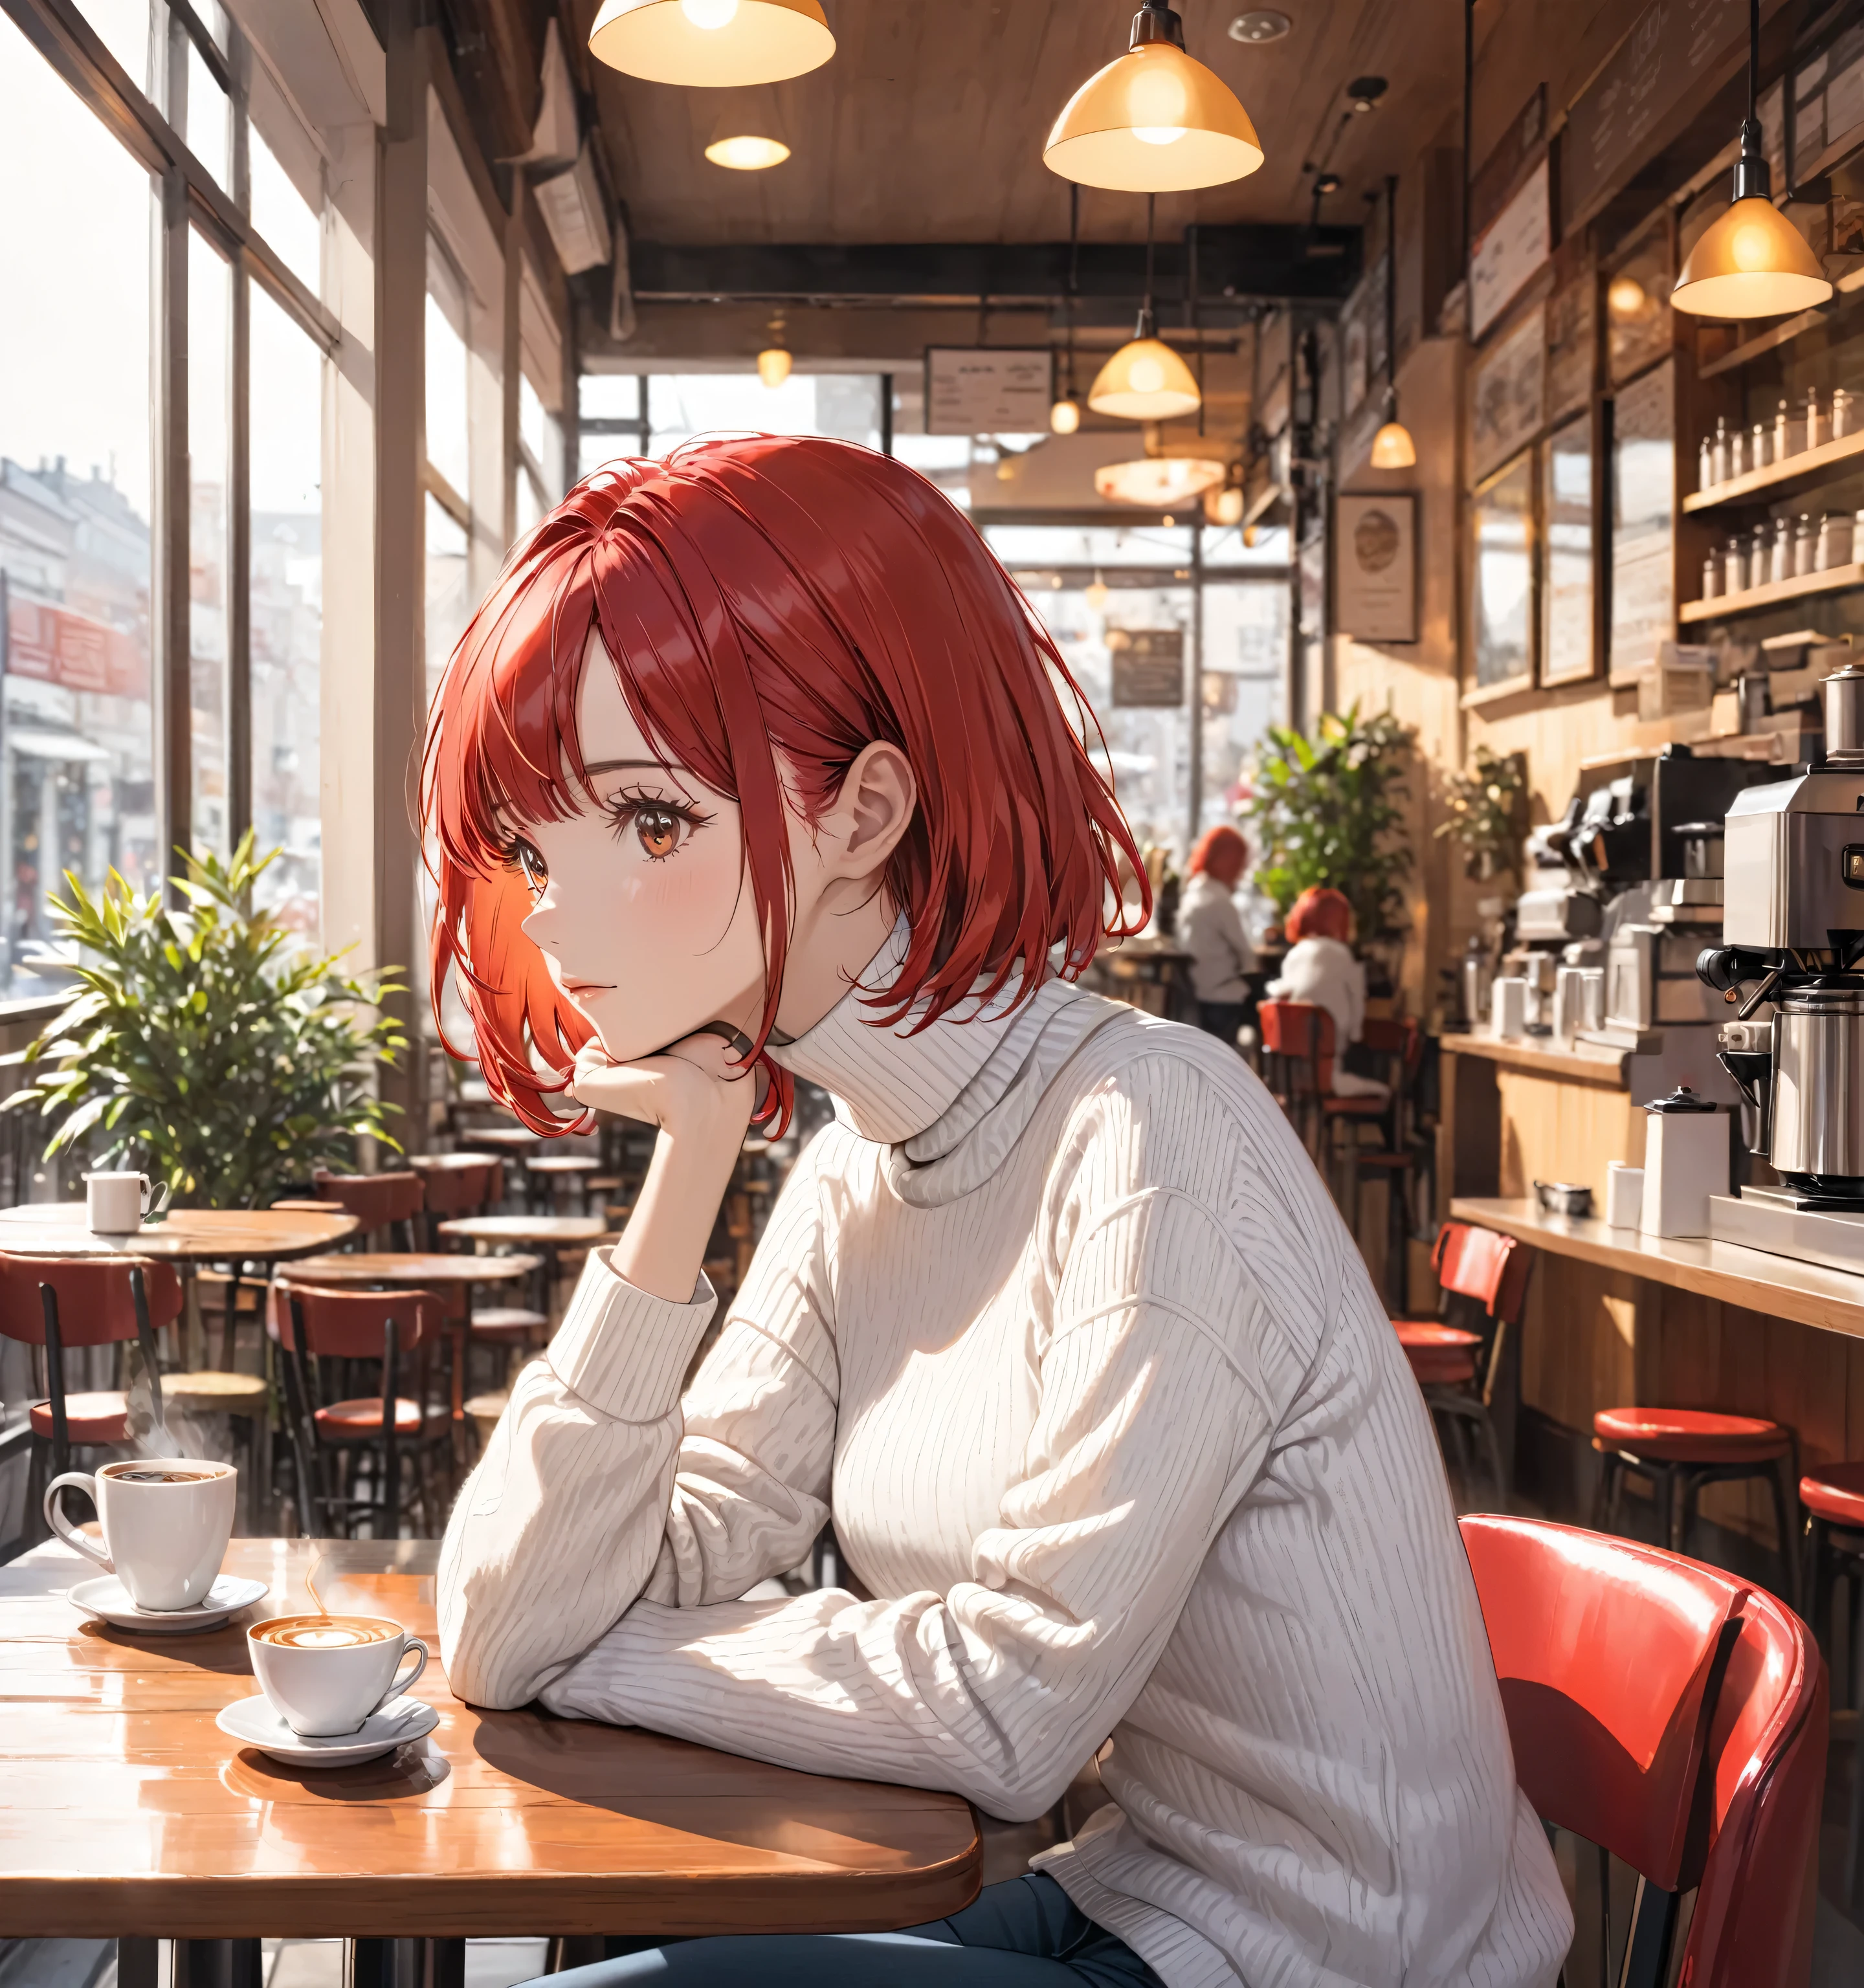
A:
(623, 810)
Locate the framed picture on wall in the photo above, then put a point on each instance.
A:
(1509, 389)
(1502, 580)
(1572, 344)
(1640, 326)
(1568, 594)
(1643, 487)
(1376, 566)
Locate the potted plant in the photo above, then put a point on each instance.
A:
(1486, 807)
(201, 1047)
(1326, 814)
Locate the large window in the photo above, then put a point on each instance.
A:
(111, 590)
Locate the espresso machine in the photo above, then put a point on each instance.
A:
(1792, 966)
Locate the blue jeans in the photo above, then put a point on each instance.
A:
(1025, 1933)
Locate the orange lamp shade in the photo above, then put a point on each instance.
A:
(1392, 447)
(1753, 262)
(1156, 120)
(1157, 481)
(1146, 380)
(711, 44)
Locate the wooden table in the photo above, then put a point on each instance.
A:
(186, 1234)
(559, 1231)
(124, 1810)
(1779, 1286)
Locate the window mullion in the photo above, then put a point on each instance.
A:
(170, 691)
(239, 564)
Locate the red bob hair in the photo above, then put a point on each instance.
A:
(1222, 845)
(1319, 914)
(771, 606)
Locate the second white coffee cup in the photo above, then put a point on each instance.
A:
(166, 1524)
(321, 1687)
(116, 1203)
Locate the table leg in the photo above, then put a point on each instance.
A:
(219, 1963)
(138, 1963)
(405, 1963)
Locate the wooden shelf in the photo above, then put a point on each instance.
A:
(1837, 580)
(1785, 331)
(1541, 1055)
(1798, 472)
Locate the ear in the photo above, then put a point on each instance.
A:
(873, 811)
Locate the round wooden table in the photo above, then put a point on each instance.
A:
(505, 1138)
(184, 1235)
(559, 1230)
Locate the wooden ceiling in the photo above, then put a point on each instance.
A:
(928, 125)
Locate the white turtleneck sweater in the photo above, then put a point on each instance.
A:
(1058, 1319)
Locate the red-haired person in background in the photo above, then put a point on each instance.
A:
(1210, 930)
(1321, 968)
(756, 764)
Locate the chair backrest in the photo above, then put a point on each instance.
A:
(374, 1199)
(1607, 1653)
(95, 1303)
(351, 1325)
(1479, 1263)
(1296, 1029)
(452, 1191)
(1752, 1926)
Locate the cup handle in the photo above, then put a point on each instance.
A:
(416, 1648)
(56, 1519)
(154, 1199)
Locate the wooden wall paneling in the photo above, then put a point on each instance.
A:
(1555, 1129)
(1578, 1339)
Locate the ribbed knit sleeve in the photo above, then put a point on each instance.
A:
(599, 1483)
(1161, 1372)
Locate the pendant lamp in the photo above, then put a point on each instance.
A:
(711, 44)
(1146, 380)
(1392, 447)
(1155, 121)
(1753, 262)
(745, 154)
(1064, 416)
(773, 361)
(1156, 481)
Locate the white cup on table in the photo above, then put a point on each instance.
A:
(1624, 1195)
(116, 1203)
(324, 1675)
(166, 1524)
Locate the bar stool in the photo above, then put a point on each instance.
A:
(1456, 1368)
(1832, 1498)
(54, 1302)
(1676, 1451)
(348, 1325)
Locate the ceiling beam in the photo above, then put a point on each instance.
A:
(1261, 262)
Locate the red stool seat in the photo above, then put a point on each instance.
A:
(99, 1418)
(1440, 1355)
(1689, 1435)
(344, 1422)
(1835, 1492)
(1441, 1370)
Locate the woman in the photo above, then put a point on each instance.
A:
(1210, 929)
(756, 757)
(1321, 969)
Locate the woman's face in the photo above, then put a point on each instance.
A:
(641, 904)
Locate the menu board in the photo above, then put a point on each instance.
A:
(1509, 252)
(1643, 520)
(1501, 577)
(1566, 584)
(1509, 386)
(987, 389)
(1572, 344)
(1620, 118)
(1149, 668)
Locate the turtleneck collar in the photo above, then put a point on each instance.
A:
(926, 1094)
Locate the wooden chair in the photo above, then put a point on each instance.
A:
(389, 1203)
(54, 1303)
(1677, 1718)
(1400, 1158)
(318, 1328)
(1483, 1276)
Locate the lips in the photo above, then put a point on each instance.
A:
(573, 988)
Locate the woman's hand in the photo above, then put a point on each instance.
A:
(702, 1102)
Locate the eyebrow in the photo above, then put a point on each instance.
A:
(616, 765)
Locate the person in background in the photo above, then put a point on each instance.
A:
(1210, 929)
(1321, 969)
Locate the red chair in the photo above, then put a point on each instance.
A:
(388, 1201)
(1676, 1718)
(1677, 1451)
(59, 1303)
(1833, 1498)
(318, 1327)
(1402, 1040)
(1456, 1368)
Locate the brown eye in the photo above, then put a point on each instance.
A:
(536, 871)
(659, 829)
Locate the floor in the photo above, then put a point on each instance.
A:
(290, 1963)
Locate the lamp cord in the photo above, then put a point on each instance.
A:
(1074, 272)
(1390, 286)
(1145, 309)
(1754, 62)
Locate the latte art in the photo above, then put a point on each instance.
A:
(325, 1632)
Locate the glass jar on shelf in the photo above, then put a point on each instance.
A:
(1806, 546)
(1780, 565)
(1705, 470)
(1760, 449)
(1834, 541)
(1844, 421)
(1712, 578)
(1816, 430)
(1734, 566)
(1718, 451)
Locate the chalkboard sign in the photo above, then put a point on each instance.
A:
(1630, 107)
(1149, 668)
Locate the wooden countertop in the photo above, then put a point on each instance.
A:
(1541, 1056)
(125, 1810)
(1779, 1286)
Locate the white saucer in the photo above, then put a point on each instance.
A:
(107, 1597)
(253, 1722)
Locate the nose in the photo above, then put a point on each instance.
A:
(539, 926)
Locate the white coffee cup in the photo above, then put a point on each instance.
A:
(166, 1524)
(321, 1686)
(1624, 1195)
(115, 1204)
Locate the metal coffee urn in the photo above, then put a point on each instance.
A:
(1791, 963)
